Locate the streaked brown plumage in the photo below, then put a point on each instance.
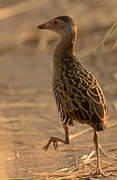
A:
(77, 92)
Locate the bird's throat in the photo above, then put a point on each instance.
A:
(65, 46)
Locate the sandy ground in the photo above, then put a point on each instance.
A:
(28, 114)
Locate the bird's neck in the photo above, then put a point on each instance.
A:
(64, 49)
(66, 45)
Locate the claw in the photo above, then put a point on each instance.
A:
(45, 148)
(55, 141)
(55, 145)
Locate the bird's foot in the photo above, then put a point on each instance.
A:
(99, 171)
(53, 140)
(45, 148)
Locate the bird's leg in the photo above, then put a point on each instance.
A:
(55, 140)
(99, 171)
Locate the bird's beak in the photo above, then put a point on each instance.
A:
(44, 26)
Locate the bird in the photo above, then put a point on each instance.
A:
(78, 94)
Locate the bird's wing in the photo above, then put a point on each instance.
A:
(88, 96)
(98, 101)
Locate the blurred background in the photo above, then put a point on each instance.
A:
(28, 114)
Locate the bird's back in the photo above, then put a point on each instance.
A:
(78, 94)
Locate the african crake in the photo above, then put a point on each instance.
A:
(77, 92)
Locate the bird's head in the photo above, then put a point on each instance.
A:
(61, 25)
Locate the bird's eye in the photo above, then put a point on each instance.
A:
(55, 22)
